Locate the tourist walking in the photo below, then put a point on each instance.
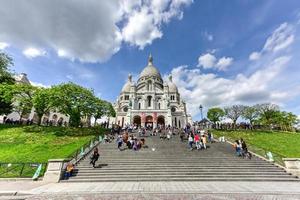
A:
(94, 157)
(190, 141)
(197, 141)
(203, 139)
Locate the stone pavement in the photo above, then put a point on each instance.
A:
(151, 190)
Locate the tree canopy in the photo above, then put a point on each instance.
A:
(215, 114)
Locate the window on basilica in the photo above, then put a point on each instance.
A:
(149, 98)
(126, 97)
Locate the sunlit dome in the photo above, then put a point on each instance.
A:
(150, 70)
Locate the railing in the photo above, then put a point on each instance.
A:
(21, 170)
(274, 157)
(83, 151)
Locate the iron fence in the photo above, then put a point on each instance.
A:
(21, 170)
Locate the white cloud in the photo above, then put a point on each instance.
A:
(223, 63)
(281, 38)
(254, 56)
(3, 45)
(209, 60)
(89, 31)
(210, 90)
(140, 29)
(33, 52)
(39, 84)
(144, 19)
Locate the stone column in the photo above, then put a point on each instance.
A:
(55, 170)
(292, 165)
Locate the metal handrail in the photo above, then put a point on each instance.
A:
(20, 169)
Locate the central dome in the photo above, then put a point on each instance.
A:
(150, 70)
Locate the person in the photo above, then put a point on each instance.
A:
(94, 157)
(119, 142)
(209, 137)
(237, 147)
(181, 136)
(169, 134)
(203, 139)
(197, 141)
(191, 141)
(69, 170)
(244, 150)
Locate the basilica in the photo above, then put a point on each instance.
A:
(151, 102)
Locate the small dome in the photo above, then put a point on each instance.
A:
(150, 69)
(172, 86)
(127, 85)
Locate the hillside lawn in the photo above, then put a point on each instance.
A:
(281, 144)
(38, 144)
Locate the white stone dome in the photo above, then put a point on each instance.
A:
(126, 87)
(128, 84)
(150, 69)
(172, 86)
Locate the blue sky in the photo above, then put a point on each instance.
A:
(218, 53)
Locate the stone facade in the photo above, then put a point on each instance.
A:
(151, 101)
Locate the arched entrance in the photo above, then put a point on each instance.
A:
(149, 122)
(137, 120)
(161, 120)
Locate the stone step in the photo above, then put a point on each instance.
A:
(188, 173)
(173, 161)
(139, 179)
(182, 175)
(137, 161)
(141, 165)
(184, 169)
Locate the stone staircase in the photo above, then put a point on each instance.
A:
(173, 161)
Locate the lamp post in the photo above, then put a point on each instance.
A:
(201, 107)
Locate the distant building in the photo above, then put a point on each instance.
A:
(53, 118)
(151, 101)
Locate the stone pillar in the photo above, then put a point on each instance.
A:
(292, 165)
(55, 170)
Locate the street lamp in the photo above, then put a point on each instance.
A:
(201, 107)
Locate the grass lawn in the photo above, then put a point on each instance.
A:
(284, 144)
(38, 144)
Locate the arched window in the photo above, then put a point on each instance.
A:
(158, 106)
(175, 122)
(149, 100)
(139, 106)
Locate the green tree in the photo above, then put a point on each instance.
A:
(110, 110)
(99, 109)
(215, 114)
(5, 78)
(285, 120)
(250, 113)
(267, 113)
(21, 95)
(41, 102)
(74, 101)
(234, 112)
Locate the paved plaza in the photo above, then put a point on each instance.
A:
(151, 190)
